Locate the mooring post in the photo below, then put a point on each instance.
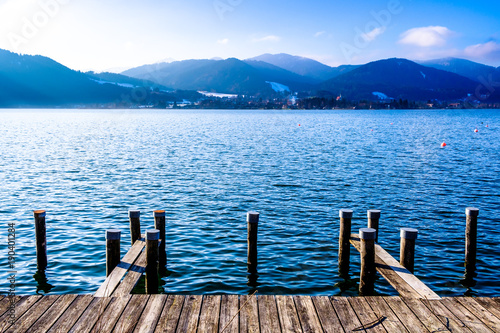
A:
(471, 240)
(407, 248)
(134, 217)
(367, 276)
(344, 237)
(159, 216)
(112, 249)
(41, 239)
(152, 253)
(373, 219)
(252, 229)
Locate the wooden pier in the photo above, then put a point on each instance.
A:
(257, 313)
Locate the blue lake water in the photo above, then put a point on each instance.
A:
(87, 168)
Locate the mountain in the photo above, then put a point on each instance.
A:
(303, 66)
(399, 79)
(469, 69)
(125, 81)
(39, 81)
(231, 76)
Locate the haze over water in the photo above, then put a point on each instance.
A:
(87, 168)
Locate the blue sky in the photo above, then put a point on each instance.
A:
(112, 34)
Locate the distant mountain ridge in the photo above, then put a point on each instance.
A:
(467, 68)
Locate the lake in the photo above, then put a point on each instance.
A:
(208, 168)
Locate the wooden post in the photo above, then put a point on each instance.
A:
(112, 249)
(252, 228)
(367, 276)
(373, 219)
(159, 216)
(471, 240)
(152, 253)
(344, 245)
(407, 248)
(41, 239)
(135, 224)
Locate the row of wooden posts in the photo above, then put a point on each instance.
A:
(156, 253)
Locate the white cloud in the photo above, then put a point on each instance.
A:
(319, 33)
(270, 38)
(223, 41)
(489, 50)
(426, 36)
(370, 36)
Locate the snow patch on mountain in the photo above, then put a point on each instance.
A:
(278, 87)
(380, 95)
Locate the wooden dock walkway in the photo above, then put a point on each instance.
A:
(261, 313)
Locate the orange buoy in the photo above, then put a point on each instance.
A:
(443, 144)
(299, 125)
(476, 130)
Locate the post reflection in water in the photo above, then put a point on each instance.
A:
(43, 286)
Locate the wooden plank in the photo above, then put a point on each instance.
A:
(445, 316)
(71, 315)
(131, 314)
(346, 314)
(108, 320)
(113, 280)
(385, 262)
(268, 314)
(287, 312)
(480, 312)
(23, 304)
(307, 314)
(249, 314)
(405, 315)
(134, 274)
(382, 309)
(91, 314)
(327, 316)
(151, 314)
(170, 314)
(425, 315)
(464, 315)
(5, 305)
(188, 321)
(490, 305)
(45, 322)
(24, 322)
(229, 319)
(369, 320)
(209, 315)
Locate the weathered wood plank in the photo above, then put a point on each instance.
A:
(385, 262)
(464, 315)
(489, 304)
(268, 314)
(131, 314)
(426, 316)
(169, 317)
(91, 314)
(209, 315)
(287, 312)
(45, 322)
(249, 314)
(307, 314)
(346, 314)
(21, 306)
(405, 315)
(24, 322)
(327, 315)
(107, 321)
(134, 274)
(151, 314)
(71, 315)
(5, 305)
(229, 319)
(369, 320)
(114, 279)
(188, 321)
(382, 309)
(480, 312)
(445, 316)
